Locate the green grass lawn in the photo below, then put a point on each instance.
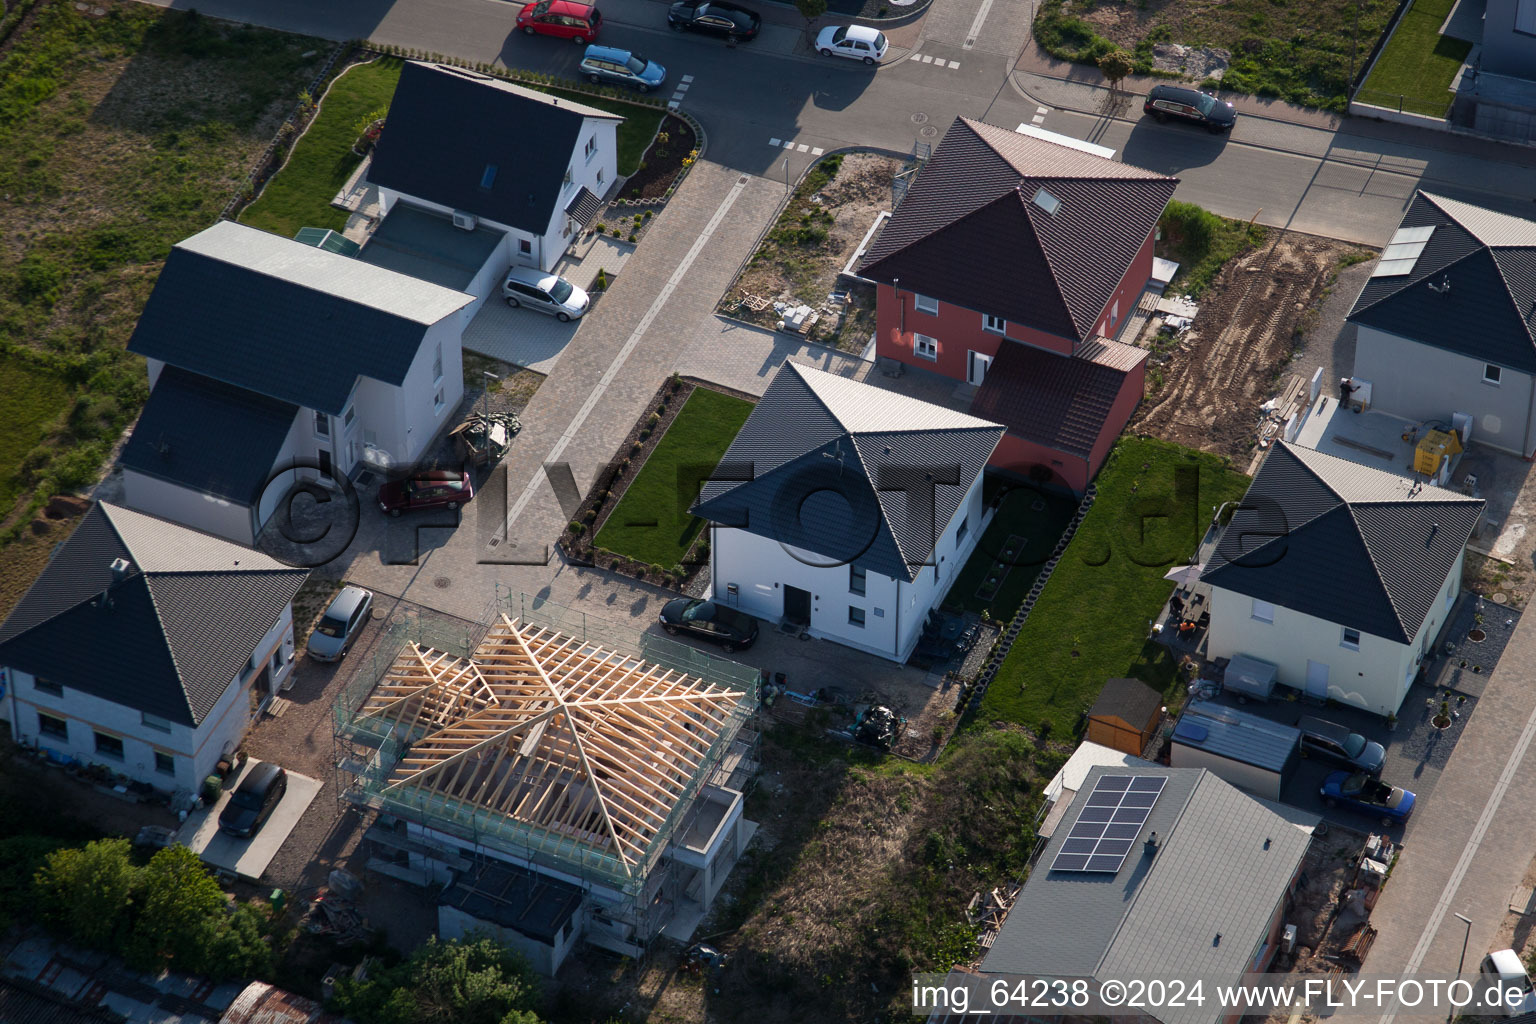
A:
(32, 400)
(300, 194)
(651, 522)
(1154, 502)
(1418, 63)
(1015, 517)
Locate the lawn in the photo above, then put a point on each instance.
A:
(651, 522)
(120, 134)
(1415, 69)
(1304, 53)
(1038, 529)
(300, 194)
(1091, 621)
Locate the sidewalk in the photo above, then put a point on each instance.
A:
(1081, 88)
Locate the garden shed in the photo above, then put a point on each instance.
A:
(1126, 716)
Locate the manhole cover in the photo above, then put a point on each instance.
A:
(1500, 598)
(919, 118)
(927, 131)
(442, 583)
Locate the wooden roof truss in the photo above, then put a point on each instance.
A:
(557, 733)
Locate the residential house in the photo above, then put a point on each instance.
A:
(1447, 322)
(147, 647)
(1499, 95)
(550, 816)
(1192, 879)
(263, 350)
(1064, 785)
(524, 169)
(845, 509)
(1125, 716)
(1011, 264)
(1338, 574)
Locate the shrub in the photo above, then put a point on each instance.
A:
(639, 219)
(656, 570)
(578, 528)
(602, 228)
(647, 215)
(618, 233)
(86, 892)
(633, 236)
(655, 418)
(589, 515)
(635, 447)
(645, 432)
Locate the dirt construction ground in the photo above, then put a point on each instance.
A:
(1226, 365)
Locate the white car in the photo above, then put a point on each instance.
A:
(857, 41)
(547, 293)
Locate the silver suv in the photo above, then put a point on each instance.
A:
(547, 293)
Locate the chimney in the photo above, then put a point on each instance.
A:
(1150, 847)
(120, 567)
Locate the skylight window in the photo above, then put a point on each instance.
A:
(489, 177)
(1046, 202)
(1403, 252)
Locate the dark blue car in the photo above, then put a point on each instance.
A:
(1361, 792)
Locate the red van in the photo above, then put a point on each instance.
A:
(563, 18)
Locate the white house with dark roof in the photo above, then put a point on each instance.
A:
(1447, 322)
(1339, 575)
(846, 509)
(263, 350)
(1157, 873)
(487, 155)
(147, 647)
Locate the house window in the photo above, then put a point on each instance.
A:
(855, 616)
(965, 528)
(165, 764)
(590, 150)
(322, 424)
(488, 176)
(49, 725)
(277, 660)
(855, 580)
(568, 176)
(437, 364)
(1525, 17)
(153, 722)
(109, 746)
(599, 175)
(1491, 373)
(1114, 313)
(925, 304)
(1350, 639)
(437, 402)
(1263, 611)
(524, 246)
(47, 686)
(995, 324)
(924, 346)
(348, 416)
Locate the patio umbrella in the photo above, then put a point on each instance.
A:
(1185, 575)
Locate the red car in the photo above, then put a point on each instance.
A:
(434, 488)
(563, 18)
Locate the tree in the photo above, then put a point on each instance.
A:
(475, 981)
(1115, 65)
(810, 10)
(87, 892)
(181, 911)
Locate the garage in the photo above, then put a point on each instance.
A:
(1252, 753)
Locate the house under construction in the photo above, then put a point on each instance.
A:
(559, 788)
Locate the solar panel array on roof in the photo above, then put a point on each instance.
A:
(1109, 823)
(1403, 251)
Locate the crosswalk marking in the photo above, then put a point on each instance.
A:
(938, 62)
(817, 151)
(797, 147)
(774, 143)
(954, 65)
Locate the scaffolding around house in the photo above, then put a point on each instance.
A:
(544, 736)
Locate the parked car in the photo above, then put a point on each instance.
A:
(545, 292)
(431, 488)
(253, 801)
(1185, 104)
(709, 621)
(343, 620)
(857, 41)
(624, 67)
(1369, 795)
(715, 17)
(563, 19)
(1333, 742)
(1514, 989)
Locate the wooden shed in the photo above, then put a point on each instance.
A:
(1125, 716)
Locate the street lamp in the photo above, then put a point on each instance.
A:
(485, 395)
(1451, 1014)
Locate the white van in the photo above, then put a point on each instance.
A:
(1514, 984)
(547, 293)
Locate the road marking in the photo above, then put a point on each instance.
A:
(915, 56)
(789, 144)
(630, 344)
(672, 104)
(981, 16)
(803, 148)
(1474, 841)
(954, 65)
(687, 79)
(927, 58)
(1042, 110)
(938, 62)
(817, 151)
(682, 87)
(774, 143)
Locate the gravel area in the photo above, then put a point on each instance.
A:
(1329, 341)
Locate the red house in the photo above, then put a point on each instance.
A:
(1010, 264)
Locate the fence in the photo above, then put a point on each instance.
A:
(1436, 108)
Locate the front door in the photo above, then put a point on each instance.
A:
(325, 462)
(797, 605)
(976, 369)
(1317, 680)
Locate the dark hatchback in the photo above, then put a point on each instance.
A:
(252, 803)
(714, 17)
(435, 488)
(1184, 104)
(706, 620)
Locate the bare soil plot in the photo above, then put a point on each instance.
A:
(799, 260)
(1204, 389)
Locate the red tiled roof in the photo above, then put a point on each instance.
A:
(969, 231)
(1062, 402)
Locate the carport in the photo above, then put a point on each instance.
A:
(1250, 752)
(247, 859)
